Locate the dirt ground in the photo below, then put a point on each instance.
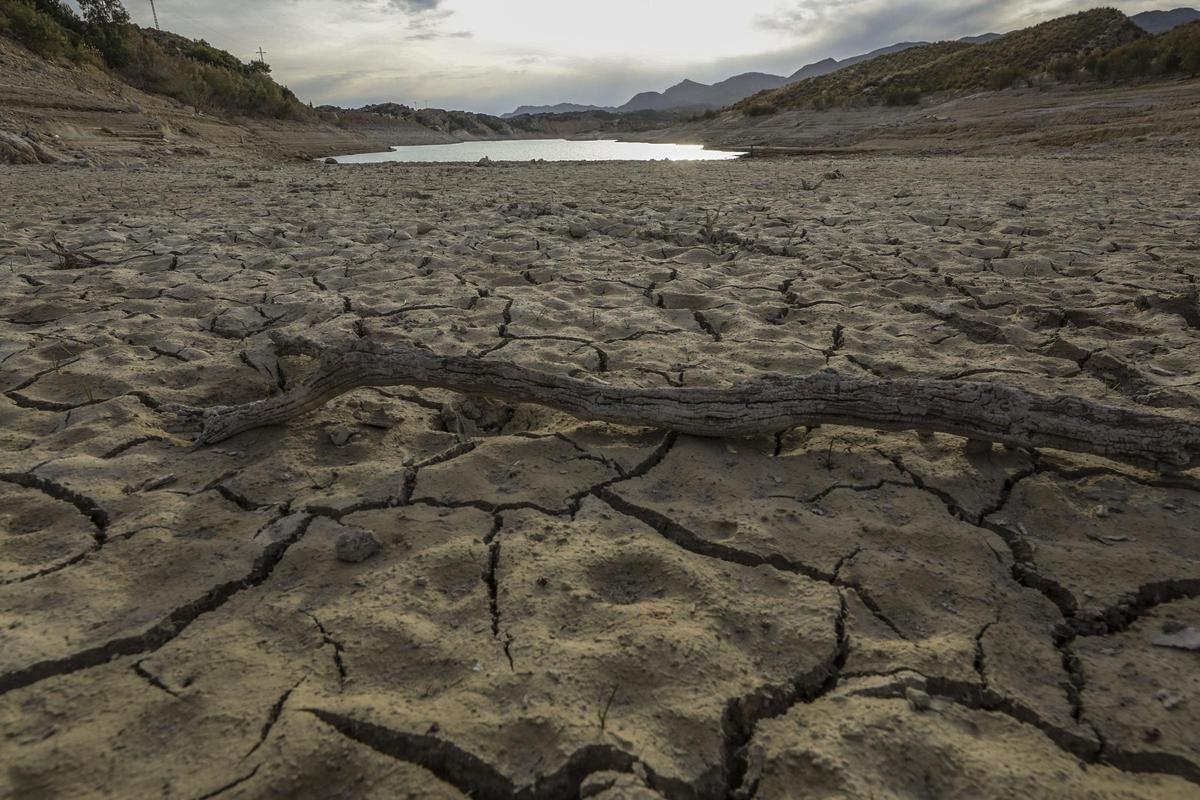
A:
(363, 604)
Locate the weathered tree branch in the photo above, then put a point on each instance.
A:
(979, 411)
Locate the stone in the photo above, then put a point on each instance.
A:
(917, 699)
(1187, 638)
(355, 546)
(342, 435)
(333, 161)
(16, 149)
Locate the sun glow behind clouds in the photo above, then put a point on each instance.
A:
(492, 55)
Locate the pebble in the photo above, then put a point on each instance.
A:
(1182, 638)
(343, 435)
(102, 237)
(918, 700)
(1170, 700)
(355, 546)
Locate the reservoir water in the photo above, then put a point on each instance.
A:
(547, 149)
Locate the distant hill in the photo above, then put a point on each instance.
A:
(981, 39)
(1163, 21)
(829, 65)
(690, 95)
(902, 77)
(560, 108)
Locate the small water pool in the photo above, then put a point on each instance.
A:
(546, 149)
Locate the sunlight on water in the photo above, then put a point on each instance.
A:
(548, 149)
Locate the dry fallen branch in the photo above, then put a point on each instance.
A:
(979, 411)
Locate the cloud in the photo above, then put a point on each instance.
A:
(421, 13)
(431, 35)
(415, 6)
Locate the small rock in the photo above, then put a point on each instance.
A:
(1170, 700)
(917, 699)
(1020, 203)
(355, 546)
(343, 435)
(1109, 246)
(333, 161)
(378, 418)
(977, 447)
(1187, 638)
(150, 484)
(578, 231)
(484, 162)
(103, 237)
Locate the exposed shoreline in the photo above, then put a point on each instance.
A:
(413, 593)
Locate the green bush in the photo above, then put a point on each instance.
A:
(1003, 78)
(760, 109)
(1064, 68)
(36, 30)
(204, 52)
(61, 13)
(1190, 59)
(900, 96)
(1174, 52)
(113, 42)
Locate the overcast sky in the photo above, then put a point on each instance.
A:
(492, 55)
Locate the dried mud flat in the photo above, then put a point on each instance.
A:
(560, 608)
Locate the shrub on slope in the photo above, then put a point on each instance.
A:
(192, 72)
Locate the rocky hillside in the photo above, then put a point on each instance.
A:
(903, 78)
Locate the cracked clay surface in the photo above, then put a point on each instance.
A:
(541, 607)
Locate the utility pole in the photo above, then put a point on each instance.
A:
(154, 11)
(262, 57)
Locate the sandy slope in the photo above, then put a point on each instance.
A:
(1165, 116)
(561, 608)
(87, 113)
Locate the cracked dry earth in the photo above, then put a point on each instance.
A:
(561, 608)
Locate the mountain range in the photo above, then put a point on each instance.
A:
(691, 95)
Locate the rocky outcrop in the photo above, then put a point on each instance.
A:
(16, 149)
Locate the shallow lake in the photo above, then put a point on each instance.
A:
(548, 149)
